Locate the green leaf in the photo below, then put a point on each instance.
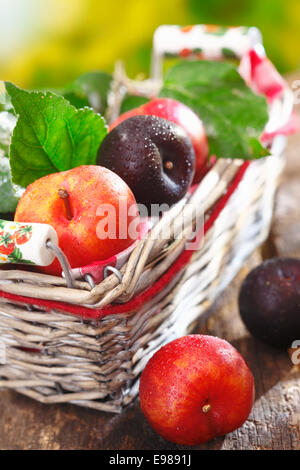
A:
(90, 89)
(8, 198)
(51, 135)
(131, 102)
(233, 116)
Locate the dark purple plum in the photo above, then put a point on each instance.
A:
(269, 301)
(155, 157)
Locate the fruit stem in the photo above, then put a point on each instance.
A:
(168, 165)
(64, 195)
(206, 408)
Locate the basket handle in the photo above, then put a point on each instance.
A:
(201, 41)
(31, 244)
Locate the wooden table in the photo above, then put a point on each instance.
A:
(275, 419)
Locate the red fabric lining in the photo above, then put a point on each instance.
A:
(142, 298)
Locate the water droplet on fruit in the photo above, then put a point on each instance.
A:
(149, 143)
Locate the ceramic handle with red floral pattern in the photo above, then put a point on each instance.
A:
(210, 42)
(23, 243)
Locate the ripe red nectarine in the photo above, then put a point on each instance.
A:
(196, 388)
(74, 203)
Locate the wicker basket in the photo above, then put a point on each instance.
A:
(88, 344)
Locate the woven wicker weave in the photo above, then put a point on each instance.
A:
(55, 357)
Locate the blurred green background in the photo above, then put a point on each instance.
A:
(48, 43)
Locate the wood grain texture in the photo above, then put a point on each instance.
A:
(274, 422)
